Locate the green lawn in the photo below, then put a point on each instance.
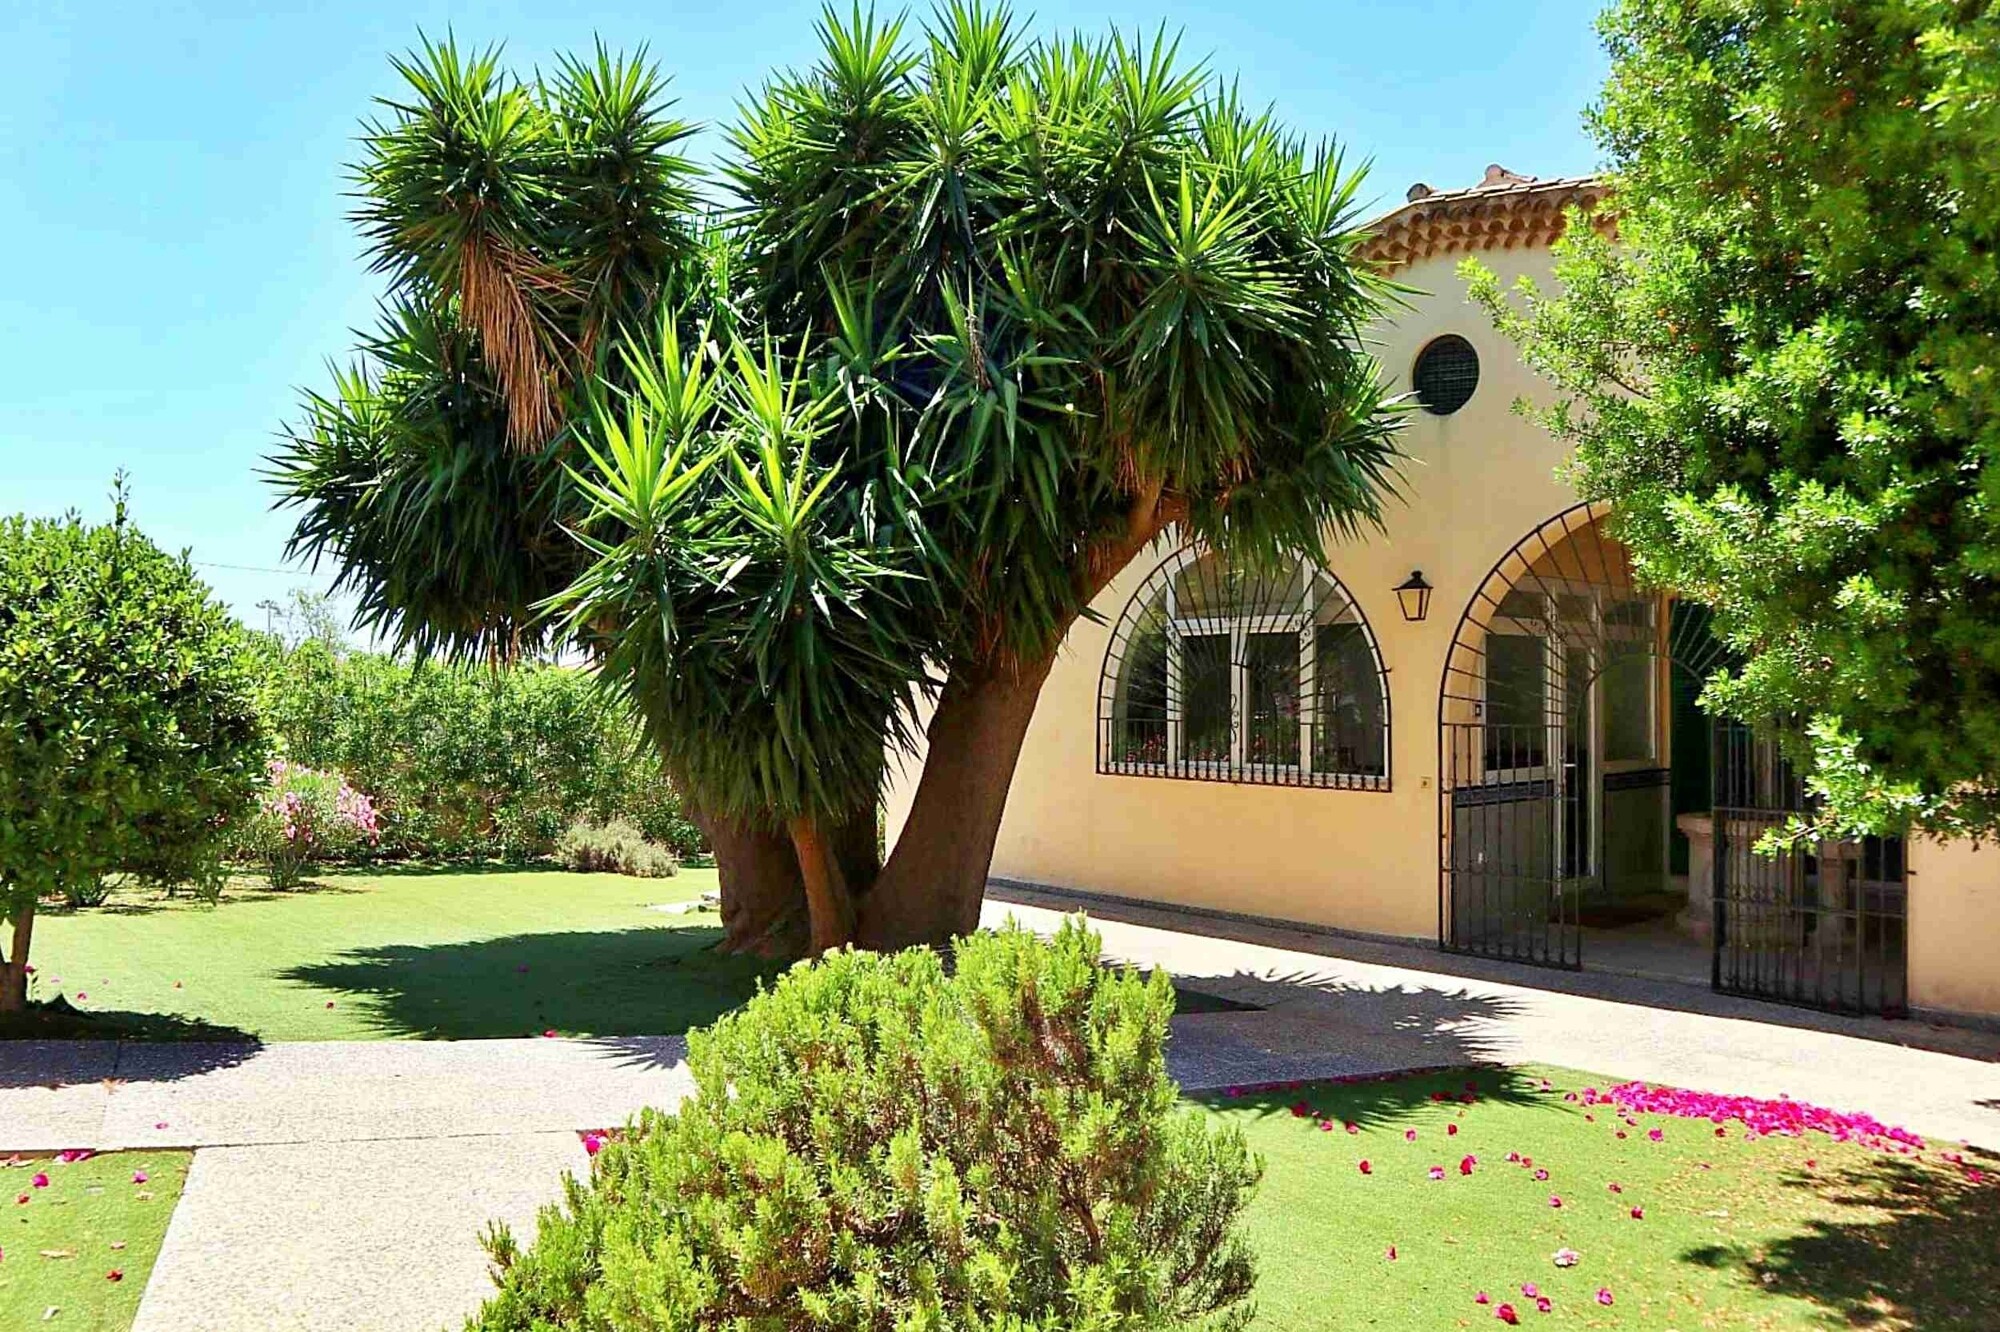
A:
(397, 956)
(1775, 1234)
(60, 1249)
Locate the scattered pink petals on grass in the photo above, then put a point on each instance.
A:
(1759, 1117)
(115, 1274)
(73, 1155)
(1657, 1135)
(1638, 1214)
(139, 1177)
(1544, 1304)
(1409, 1135)
(1505, 1313)
(1451, 1130)
(1437, 1172)
(1555, 1200)
(1482, 1298)
(1566, 1258)
(1351, 1126)
(1541, 1176)
(1391, 1254)
(1466, 1163)
(1529, 1289)
(40, 1181)
(1367, 1169)
(1604, 1295)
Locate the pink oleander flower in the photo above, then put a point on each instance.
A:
(40, 1181)
(1505, 1313)
(593, 1143)
(139, 1177)
(1604, 1295)
(1451, 1130)
(1466, 1163)
(1555, 1200)
(1530, 1290)
(1351, 1126)
(1544, 1304)
(1638, 1214)
(1409, 1135)
(1482, 1298)
(1437, 1172)
(1541, 1176)
(1367, 1169)
(1656, 1135)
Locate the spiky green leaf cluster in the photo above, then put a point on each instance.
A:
(1786, 372)
(877, 1144)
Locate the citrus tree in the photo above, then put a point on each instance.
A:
(1785, 372)
(984, 318)
(128, 734)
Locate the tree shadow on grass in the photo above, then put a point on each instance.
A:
(1375, 1100)
(647, 981)
(1922, 1249)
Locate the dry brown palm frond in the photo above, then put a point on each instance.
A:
(494, 298)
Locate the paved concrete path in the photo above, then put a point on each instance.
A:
(343, 1185)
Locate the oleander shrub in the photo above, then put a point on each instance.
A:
(877, 1143)
(304, 818)
(617, 847)
(469, 762)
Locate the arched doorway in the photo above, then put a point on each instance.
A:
(1561, 771)
(1584, 796)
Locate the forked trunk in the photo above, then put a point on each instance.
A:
(763, 897)
(930, 890)
(829, 906)
(14, 971)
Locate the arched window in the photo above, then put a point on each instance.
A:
(1217, 673)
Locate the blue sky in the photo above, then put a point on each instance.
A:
(172, 177)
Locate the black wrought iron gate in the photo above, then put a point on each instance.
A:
(1823, 923)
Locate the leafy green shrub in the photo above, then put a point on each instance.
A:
(877, 1144)
(466, 762)
(304, 818)
(617, 847)
(128, 735)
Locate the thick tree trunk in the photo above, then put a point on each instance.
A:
(829, 907)
(14, 972)
(930, 890)
(763, 896)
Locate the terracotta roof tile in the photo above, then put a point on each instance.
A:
(1505, 211)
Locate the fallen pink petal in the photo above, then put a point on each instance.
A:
(1544, 1304)
(139, 1177)
(1566, 1258)
(1604, 1295)
(1505, 1313)
(1437, 1172)
(40, 1181)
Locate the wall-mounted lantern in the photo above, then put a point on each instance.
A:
(1415, 595)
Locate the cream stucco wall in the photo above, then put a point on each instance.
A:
(1955, 927)
(1476, 483)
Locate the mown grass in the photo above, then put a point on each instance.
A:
(77, 1254)
(1777, 1234)
(401, 955)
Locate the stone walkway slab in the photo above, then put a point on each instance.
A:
(348, 1237)
(1323, 1004)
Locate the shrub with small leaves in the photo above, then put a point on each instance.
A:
(617, 847)
(877, 1144)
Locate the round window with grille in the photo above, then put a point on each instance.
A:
(1446, 373)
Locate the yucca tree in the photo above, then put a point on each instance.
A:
(983, 318)
(1096, 299)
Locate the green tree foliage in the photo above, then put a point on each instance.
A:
(1785, 371)
(877, 1144)
(128, 733)
(466, 762)
(982, 319)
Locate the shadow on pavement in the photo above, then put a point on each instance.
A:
(1645, 992)
(644, 981)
